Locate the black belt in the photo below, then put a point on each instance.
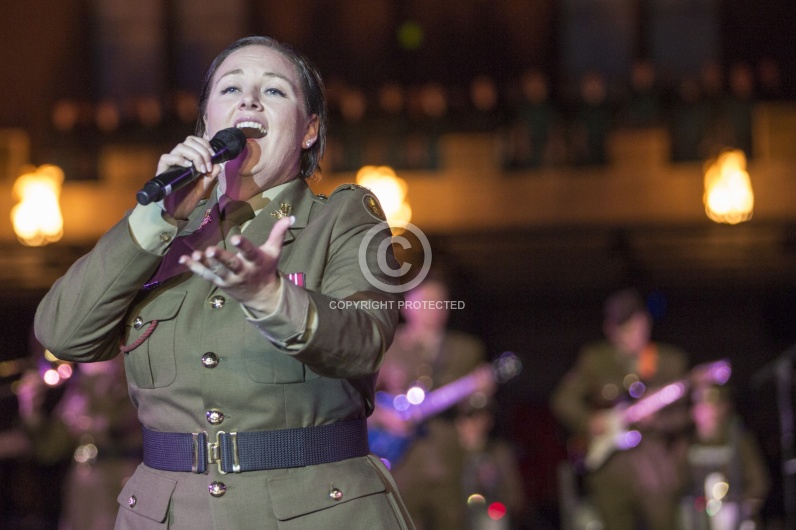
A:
(235, 452)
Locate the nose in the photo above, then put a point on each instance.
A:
(250, 100)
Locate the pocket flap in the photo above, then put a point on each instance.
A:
(147, 494)
(164, 307)
(313, 488)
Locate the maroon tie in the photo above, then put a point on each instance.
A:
(209, 233)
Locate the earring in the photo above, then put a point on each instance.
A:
(308, 143)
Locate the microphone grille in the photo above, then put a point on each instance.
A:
(228, 143)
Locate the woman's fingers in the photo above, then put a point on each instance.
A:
(272, 248)
(193, 151)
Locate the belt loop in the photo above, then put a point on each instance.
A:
(235, 456)
(198, 464)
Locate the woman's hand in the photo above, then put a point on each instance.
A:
(196, 152)
(248, 276)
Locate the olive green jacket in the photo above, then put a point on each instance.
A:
(256, 385)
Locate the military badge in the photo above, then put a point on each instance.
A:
(373, 207)
(297, 278)
(207, 218)
(283, 211)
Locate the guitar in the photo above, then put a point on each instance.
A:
(617, 435)
(416, 406)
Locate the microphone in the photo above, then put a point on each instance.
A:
(227, 144)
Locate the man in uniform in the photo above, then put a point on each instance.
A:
(637, 482)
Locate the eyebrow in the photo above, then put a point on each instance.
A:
(238, 71)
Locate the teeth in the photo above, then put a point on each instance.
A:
(252, 125)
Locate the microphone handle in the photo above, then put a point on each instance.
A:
(165, 183)
(178, 177)
(227, 144)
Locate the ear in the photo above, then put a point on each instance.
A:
(311, 135)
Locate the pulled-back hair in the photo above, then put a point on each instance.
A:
(311, 85)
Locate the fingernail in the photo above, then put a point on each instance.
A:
(181, 261)
(292, 220)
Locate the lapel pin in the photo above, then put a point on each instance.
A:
(207, 218)
(283, 211)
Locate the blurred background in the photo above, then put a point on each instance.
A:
(551, 150)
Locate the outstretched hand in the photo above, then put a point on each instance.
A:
(250, 275)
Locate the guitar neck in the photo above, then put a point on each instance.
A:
(714, 372)
(443, 398)
(656, 401)
(659, 399)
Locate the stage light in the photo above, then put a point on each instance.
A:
(728, 189)
(390, 190)
(37, 217)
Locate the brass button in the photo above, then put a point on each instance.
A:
(217, 302)
(336, 494)
(215, 417)
(217, 489)
(138, 323)
(210, 360)
(131, 502)
(165, 237)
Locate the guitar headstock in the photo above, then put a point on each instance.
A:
(713, 373)
(506, 367)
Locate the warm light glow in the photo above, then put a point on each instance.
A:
(37, 217)
(476, 499)
(389, 189)
(728, 189)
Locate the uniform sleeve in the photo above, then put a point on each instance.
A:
(80, 318)
(355, 314)
(150, 230)
(569, 399)
(292, 322)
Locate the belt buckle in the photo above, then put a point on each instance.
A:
(215, 453)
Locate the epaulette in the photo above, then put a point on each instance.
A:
(349, 186)
(369, 200)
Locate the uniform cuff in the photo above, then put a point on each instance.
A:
(292, 323)
(150, 230)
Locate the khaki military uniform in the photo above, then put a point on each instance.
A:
(638, 484)
(429, 472)
(195, 364)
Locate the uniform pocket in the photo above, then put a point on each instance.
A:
(145, 495)
(152, 363)
(347, 494)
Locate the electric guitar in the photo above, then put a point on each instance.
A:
(412, 408)
(619, 437)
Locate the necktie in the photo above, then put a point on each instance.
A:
(233, 215)
(209, 233)
(218, 226)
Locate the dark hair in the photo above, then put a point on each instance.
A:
(621, 305)
(311, 85)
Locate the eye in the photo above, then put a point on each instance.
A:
(229, 90)
(274, 92)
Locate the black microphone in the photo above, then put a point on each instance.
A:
(227, 144)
